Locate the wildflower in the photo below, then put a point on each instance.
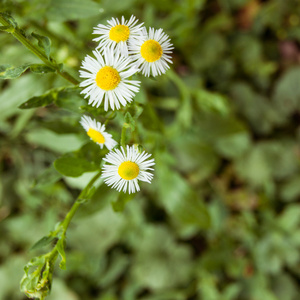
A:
(151, 52)
(117, 34)
(123, 169)
(106, 79)
(96, 131)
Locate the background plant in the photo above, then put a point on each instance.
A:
(221, 218)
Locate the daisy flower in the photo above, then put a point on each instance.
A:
(151, 52)
(123, 169)
(96, 131)
(116, 34)
(106, 79)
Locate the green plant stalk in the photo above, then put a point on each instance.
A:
(16, 32)
(65, 223)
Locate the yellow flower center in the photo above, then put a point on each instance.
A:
(108, 78)
(151, 51)
(96, 136)
(128, 170)
(119, 33)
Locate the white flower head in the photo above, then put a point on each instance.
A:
(151, 52)
(106, 78)
(123, 169)
(116, 34)
(96, 131)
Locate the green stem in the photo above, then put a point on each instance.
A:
(65, 223)
(16, 32)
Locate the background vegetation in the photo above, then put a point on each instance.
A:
(221, 219)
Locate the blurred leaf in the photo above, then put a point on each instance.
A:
(286, 97)
(169, 265)
(256, 108)
(285, 287)
(26, 84)
(290, 190)
(130, 121)
(56, 95)
(60, 143)
(49, 176)
(6, 28)
(209, 101)
(8, 18)
(43, 42)
(196, 158)
(10, 72)
(267, 160)
(179, 199)
(115, 270)
(73, 166)
(289, 220)
(44, 241)
(41, 69)
(64, 10)
(101, 199)
(123, 198)
(38, 101)
(60, 246)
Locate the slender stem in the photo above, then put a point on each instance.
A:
(65, 223)
(16, 32)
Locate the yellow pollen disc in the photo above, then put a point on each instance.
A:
(128, 170)
(151, 51)
(96, 136)
(119, 33)
(108, 78)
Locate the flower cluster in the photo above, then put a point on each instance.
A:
(125, 48)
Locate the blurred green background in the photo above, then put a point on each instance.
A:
(221, 219)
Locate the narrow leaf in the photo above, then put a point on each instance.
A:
(49, 97)
(60, 246)
(73, 166)
(7, 28)
(43, 42)
(10, 72)
(130, 121)
(119, 205)
(38, 101)
(41, 69)
(8, 18)
(44, 241)
(72, 10)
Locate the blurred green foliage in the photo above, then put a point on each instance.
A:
(221, 220)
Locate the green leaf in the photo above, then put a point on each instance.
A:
(119, 205)
(208, 101)
(43, 42)
(180, 201)
(44, 241)
(49, 176)
(60, 246)
(130, 121)
(10, 72)
(38, 101)
(73, 166)
(8, 18)
(41, 69)
(56, 95)
(73, 10)
(7, 28)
